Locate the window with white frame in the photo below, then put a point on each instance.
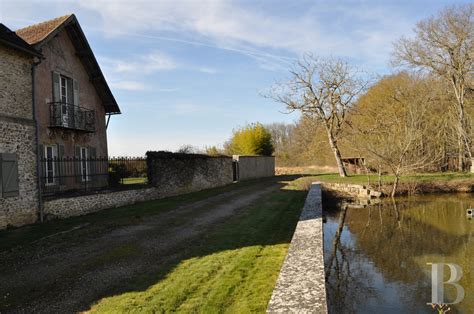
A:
(85, 168)
(50, 155)
(66, 93)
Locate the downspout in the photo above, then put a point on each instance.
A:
(38, 152)
(108, 120)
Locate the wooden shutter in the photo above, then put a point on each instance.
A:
(70, 92)
(9, 175)
(62, 166)
(76, 92)
(56, 87)
(77, 163)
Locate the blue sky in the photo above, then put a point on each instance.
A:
(188, 72)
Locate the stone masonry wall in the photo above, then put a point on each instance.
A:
(15, 84)
(82, 205)
(17, 136)
(357, 190)
(173, 173)
(252, 167)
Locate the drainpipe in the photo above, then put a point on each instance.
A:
(38, 153)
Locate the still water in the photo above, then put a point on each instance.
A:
(376, 257)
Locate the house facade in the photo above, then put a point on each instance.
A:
(19, 198)
(73, 101)
(54, 110)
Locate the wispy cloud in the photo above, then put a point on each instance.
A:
(150, 63)
(129, 85)
(141, 64)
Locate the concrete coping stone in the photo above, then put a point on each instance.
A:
(300, 287)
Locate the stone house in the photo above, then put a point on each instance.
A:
(73, 105)
(55, 105)
(18, 172)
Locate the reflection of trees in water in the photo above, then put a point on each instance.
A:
(394, 237)
(344, 278)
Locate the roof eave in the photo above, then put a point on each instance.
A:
(33, 53)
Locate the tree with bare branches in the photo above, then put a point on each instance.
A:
(324, 90)
(444, 46)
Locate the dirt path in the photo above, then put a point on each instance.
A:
(56, 276)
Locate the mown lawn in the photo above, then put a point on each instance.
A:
(234, 269)
(420, 178)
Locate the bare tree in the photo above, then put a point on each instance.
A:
(187, 149)
(325, 90)
(444, 45)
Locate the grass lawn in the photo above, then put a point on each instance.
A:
(420, 178)
(233, 270)
(141, 180)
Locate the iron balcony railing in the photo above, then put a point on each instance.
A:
(69, 116)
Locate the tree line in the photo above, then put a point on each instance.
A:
(413, 119)
(419, 118)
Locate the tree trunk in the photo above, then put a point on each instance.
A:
(379, 177)
(337, 154)
(460, 154)
(395, 185)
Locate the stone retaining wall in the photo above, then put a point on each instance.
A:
(82, 205)
(357, 190)
(301, 284)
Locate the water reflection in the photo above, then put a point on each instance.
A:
(376, 257)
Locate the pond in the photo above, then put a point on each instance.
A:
(376, 257)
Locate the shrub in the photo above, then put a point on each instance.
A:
(253, 139)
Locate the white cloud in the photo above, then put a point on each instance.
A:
(129, 85)
(141, 64)
(139, 86)
(148, 64)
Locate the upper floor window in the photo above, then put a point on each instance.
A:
(65, 89)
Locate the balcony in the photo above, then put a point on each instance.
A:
(69, 116)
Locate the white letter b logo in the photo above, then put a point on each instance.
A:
(437, 283)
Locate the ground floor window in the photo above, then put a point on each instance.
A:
(85, 168)
(50, 155)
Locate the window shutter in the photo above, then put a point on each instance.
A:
(70, 92)
(9, 175)
(76, 92)
(61, 165)
(77, 163)
(56, 87)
